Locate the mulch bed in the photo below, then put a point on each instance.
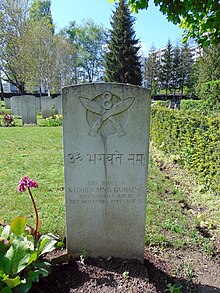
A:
(113, 275)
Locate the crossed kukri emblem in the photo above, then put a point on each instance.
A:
(106, 109)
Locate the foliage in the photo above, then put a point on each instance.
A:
(89, 40)
(40, 10)
(55, 120)
(166, 67)
(21, 261)
(170, 69)
(27, 50)
(14, 62)
(200, 19)
(207, 67)
(194, 138)
(151, 70)
(210, 95)
(42, 47)
(21, 250)
(121, 59)
(173, 288)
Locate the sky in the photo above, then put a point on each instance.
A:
(151, 26)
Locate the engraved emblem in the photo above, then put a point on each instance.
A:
(107, 113)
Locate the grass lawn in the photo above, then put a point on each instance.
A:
(37, 152)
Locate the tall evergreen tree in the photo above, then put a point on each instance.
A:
(151, 70)
(186, 68)
(176, 73)
(121, 59)
(166, 67)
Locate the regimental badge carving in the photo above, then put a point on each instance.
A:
(107, 114)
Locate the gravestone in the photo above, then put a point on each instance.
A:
(16, 105)
(7, 103)
(46, 107)
(38, 104)
(58, 105)
(106, 138)
(28, 109)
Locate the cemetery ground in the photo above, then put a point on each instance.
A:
(182, 223)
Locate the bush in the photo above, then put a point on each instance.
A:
(194, 138)
(191, 105)
(210, 95)
(55, 120)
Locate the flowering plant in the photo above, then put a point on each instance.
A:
(21, 252)
(54, 120)
(8, 120)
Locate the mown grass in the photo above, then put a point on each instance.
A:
(37, 152)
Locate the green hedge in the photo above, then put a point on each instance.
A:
(210, 95)
(193, 138)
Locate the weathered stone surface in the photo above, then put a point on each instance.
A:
(46, 107)
(58, 105)
(7, 103)
(38, 104)
(28, 109)
(106, 137)
(16, 105)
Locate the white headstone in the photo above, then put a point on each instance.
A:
(28, 106)
(58, 105)
(46, 107)
(106, 137)
(7, 103)
(16, 105)
(38, 104)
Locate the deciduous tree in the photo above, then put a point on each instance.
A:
(14, 62)
(199, 18)
(89, 40)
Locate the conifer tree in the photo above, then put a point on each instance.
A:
(121, 59)
(166, 67)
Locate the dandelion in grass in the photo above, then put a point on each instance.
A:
(26, 184)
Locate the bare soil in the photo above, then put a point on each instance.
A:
(190, 270)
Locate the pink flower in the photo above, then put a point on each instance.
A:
(26, 182)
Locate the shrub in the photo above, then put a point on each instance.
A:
(194, 138)
(55, 120)
(210, 95)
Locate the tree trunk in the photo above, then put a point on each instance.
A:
(2, 90)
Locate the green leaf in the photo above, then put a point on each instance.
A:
(2, 246)
(33, 257)
(2, 275)
(6, 232)
(34, 276)
(46, 243)
(24, 287)
(12, 282)
(44, 268)
(6, 290)
(18, 225)
(17, 257)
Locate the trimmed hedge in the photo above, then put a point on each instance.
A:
(193, 138)
(210, 95)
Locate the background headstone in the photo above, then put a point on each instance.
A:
(7, 103)
(16, 105)
(58, 105)
(46, 107)
(106, 137)
(28, 107)
(38, 104)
